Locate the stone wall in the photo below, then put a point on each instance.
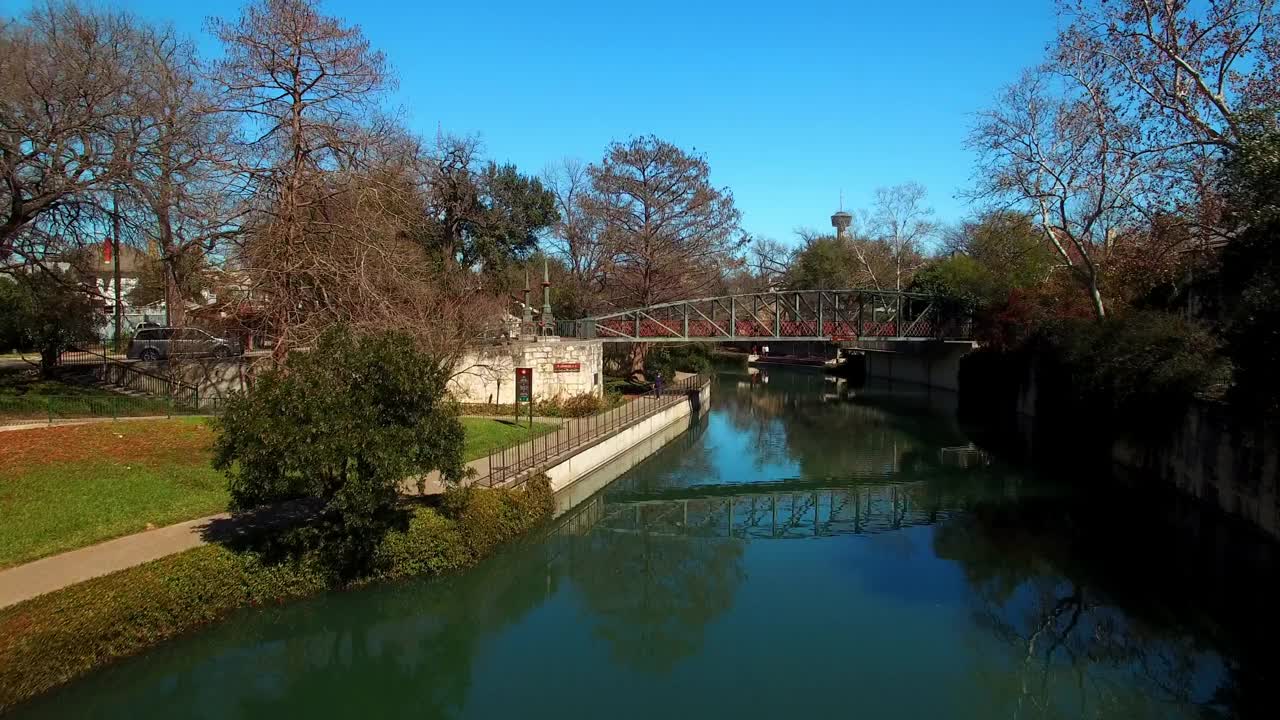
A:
(1209, 454)
(488, 375)
(483, 375)
(1212, 456)
(219, 379)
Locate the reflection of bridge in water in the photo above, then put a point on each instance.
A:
(772, 511)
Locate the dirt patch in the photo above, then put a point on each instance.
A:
(143, 442)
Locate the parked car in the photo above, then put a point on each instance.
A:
(162, 342)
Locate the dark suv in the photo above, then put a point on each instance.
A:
(161, 342)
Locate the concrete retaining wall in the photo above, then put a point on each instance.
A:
(935, 364)
(483, 375)
(648, 434)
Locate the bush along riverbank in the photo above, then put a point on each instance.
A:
(52, 639)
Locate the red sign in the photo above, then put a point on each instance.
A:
(567, 367)
(524, 384)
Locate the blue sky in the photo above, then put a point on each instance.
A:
(790, 101)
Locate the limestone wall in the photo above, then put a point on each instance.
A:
(1219, 459)
(1228, 462)
(488, 375)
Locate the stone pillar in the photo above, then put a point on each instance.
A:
(548, 322)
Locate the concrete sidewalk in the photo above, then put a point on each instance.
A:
(58, 571)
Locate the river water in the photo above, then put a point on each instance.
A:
(803, 551)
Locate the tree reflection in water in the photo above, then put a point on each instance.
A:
(409, 648)
(651, 596)
(1107, 614)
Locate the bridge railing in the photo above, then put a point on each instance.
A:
(799, 314)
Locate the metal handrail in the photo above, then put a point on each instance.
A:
(172, 387)
(515, 464)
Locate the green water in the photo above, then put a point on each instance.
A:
(801, 552)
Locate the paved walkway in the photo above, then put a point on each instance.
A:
(59, 571)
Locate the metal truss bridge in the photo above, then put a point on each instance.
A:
(819, 315)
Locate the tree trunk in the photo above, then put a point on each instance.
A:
(175, 305)
(48, 360)
(637, 361)
(1095, 296)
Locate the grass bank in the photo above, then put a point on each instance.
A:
(486, 435)
(55, 638)
(67, 487)
(18, 382)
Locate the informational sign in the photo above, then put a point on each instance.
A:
(567, 367)
(524, 384)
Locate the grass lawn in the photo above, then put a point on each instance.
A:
(66, 487)
(17, 382)
(486, 435)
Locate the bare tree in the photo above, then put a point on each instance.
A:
(304, 85)
(902, 220)
(670, 232)
(182, 176)
(1188, 69)
(1062, 151)
(768, 260)
(578, 237)
(1183, 75)
(68, 96)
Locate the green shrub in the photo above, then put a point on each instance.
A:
(581, 405)
(55, 638)
(1249, 278)
(1142, 369)
(1253, 340)
(668, 360)
(343, 424)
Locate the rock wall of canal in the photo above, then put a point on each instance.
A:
(1228, 462)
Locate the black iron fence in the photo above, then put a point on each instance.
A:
(91, 354)
(33, 409)
(112, 368)
(145, 379)
(514, 464)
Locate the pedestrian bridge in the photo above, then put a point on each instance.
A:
(802, 315)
